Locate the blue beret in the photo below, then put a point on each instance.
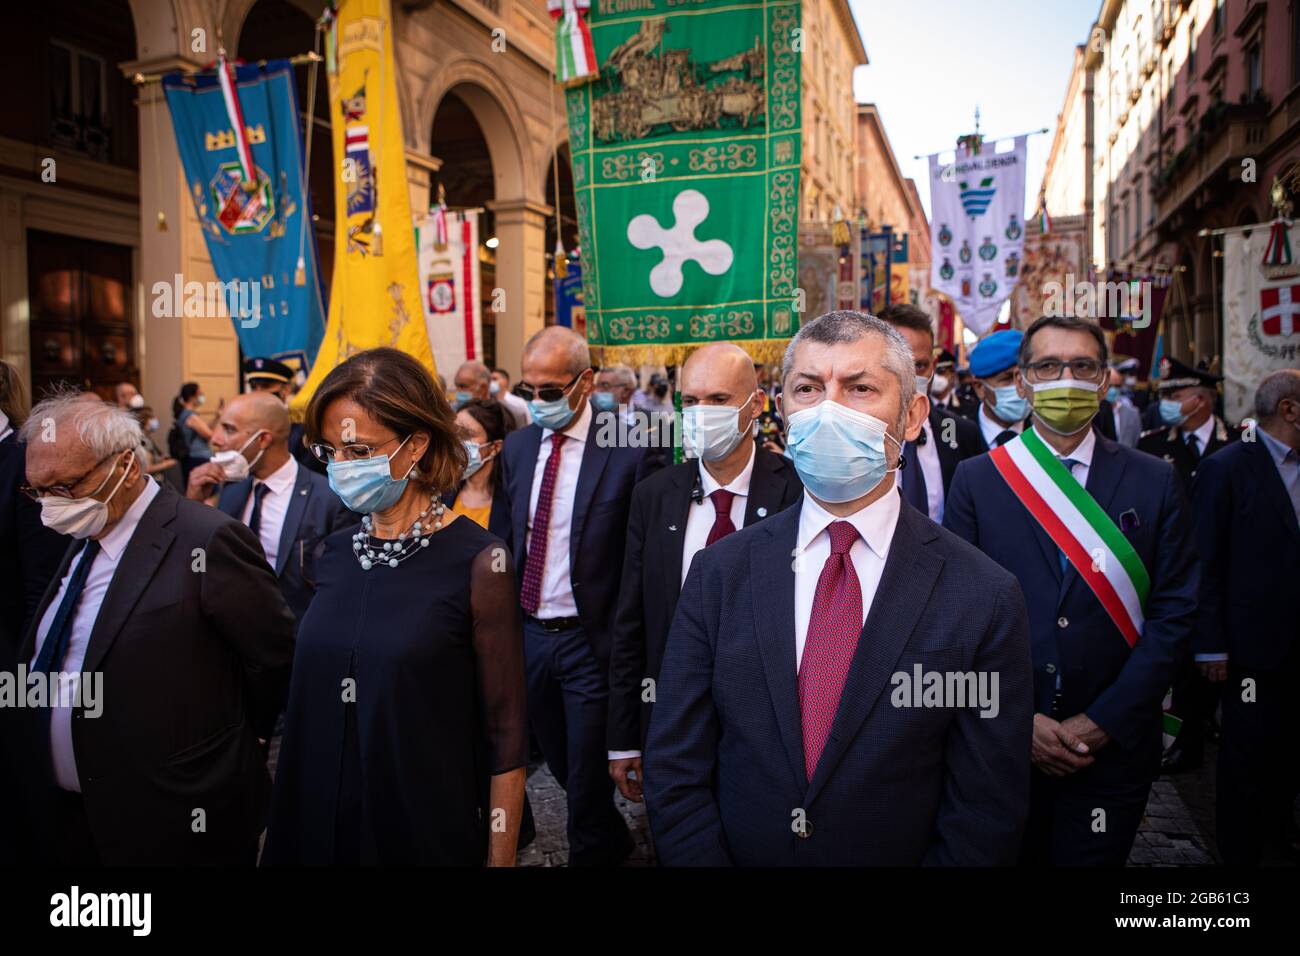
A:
(997, 353)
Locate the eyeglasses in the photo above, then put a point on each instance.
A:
(1049, 370)
(547, 393)
(353, 451)
(65, 490)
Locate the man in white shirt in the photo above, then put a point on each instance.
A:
(291, 509)
(169, 611)
(499, 388)
(729, 483)
(776, 739)
(570, 487)
(1002, 410)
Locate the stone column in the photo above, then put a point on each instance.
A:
(520, 275)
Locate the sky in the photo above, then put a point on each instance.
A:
(933, 61)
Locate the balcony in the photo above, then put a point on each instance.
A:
(1224, 134)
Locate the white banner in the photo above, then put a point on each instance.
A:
(1261, 319)
(449, 289)
(977, 206)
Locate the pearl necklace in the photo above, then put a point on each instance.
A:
(394, 553)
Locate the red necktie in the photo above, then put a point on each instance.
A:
(722, 525)
(530, 595)
(833, 629)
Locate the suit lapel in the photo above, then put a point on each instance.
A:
(1269, 484)
(135, 570)
(772, 577)
(766, 488)
(947, 454)
(594, 458)
(1104, 476)
(28, 646)
(677, 513)
(531, 441)
(906, 584)
(234, 497)
(298, 499)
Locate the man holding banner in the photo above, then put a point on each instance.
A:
(1098, 536)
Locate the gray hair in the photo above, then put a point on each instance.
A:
(846, 325)
(103, 428)
(477, 369)
(623, 375)
(1276, 388)
(578, 357)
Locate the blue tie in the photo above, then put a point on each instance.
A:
(1069, 464)
(55, 645)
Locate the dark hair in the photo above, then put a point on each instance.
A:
(904, 315)
(496, 422)
(501, 371)
(188, 391)
(402, 396)
(13, 396)
(1071, 324)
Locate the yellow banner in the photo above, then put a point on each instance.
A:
(375, 296)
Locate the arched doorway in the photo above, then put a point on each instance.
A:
(467, 178)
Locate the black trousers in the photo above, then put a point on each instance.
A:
(1194, 701)
(1259, 759)
(1089, 818)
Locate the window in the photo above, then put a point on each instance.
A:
(1191, 53)
(79, 113)
(1253, 73)
(1220, 16)
(1137, 219)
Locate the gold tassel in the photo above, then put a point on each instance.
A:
(162, 221)
(377, 240)
(561, 262)
(300, 273)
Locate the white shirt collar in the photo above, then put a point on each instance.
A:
(738, 485)
(4, 426)
(115, 542)
(991, 429)
(576, 430)
(1083, 454)
(1203, 434)
(281, 481)
(1279, 451)
(875, 523)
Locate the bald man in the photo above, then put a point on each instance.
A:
(472, 380)
(569, 480)
(727, 483)
(255, 480)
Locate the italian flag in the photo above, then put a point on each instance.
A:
(1079, 527)
(575, 57)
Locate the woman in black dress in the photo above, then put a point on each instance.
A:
(406, 733)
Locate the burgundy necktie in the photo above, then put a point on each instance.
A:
(833, 629)
(530, 595)
(722, 525)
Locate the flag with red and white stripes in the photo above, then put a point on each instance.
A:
(229, 93)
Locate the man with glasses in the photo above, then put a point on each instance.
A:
(168, 608)
(261, 485)
(1098, 536)
(570, 494)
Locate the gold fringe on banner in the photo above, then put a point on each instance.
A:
(766, 351)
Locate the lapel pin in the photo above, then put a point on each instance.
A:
(672, 527)
(762, 512)
(302, 491)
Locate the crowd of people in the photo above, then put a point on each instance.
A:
(886, 612)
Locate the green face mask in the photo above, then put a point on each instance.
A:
(1065, 406)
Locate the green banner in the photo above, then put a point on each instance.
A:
(686, 174)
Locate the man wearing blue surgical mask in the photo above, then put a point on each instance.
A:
(1003, 410)
(727, 483)
(775, 738)
(472, 380)
(570, 489)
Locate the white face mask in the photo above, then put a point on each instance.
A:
(234, 464)
(137, 401)
(79, 517)
(710, 432)
(939, 383)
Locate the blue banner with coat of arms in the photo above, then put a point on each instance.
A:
(259, 233)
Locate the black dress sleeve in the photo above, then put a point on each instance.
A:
(499, 650)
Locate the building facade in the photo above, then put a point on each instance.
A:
(832, 50)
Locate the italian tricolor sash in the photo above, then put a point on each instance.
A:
(1079, 527)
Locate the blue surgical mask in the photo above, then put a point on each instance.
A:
(367, 485)
(604, 401)
(1008, 405)
(839, 453)
(1171, 412)
(554, 415)
(462, 399)
(494, 388)
(476, 459)
(1112, 394)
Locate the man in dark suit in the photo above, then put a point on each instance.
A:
(275, 378)
(1191, 432)
(729, 483)
(946, 438)
(1247, 639)
(570, 481)
(175, 643)
(290, 509)
(776, 738)
(1103, 657)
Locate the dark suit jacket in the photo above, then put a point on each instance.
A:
(966, 441)
(30, 555)
(1249, 544)
(314, 513)
(194, 664)
(499, 521)
(1119, 688)
(895, 785)
(599, 530)
(1170, 443)
(652, 575)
